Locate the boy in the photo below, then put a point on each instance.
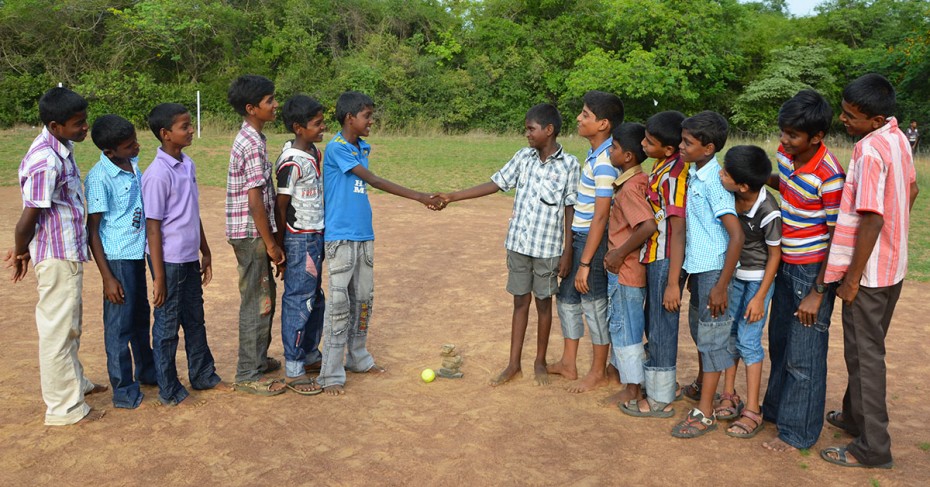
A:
(51, 233)
(176, 241)
(584, 292)
(632, 222)
(869, 260)
(663, 255)
(714, 239)
(299, 209)
(116, 229)
(810, 181)
(350, 242)
(913, 136)
(745, 171)
(545, 177)
(250, 229)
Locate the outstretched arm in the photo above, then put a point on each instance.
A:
(396, 189)
(471, 193)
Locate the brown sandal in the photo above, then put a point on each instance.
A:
(729, 412)
(750, 428)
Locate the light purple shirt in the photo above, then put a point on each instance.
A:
(169, 190)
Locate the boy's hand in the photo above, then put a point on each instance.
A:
(755, 310)
(847, 291)
(809, 308)
(612, 261)
(581, 279)
(717, 301)
(565, 262)
(159, 291)
(113, 291)
(279, 270)
(19, 263)
(276, 255)
(671, 301)
(206, 269)
(433, 201)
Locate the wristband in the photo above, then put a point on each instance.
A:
(582, 264)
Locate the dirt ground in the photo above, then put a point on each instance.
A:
(439, 279)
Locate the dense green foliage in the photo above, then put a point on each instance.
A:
(458, 65)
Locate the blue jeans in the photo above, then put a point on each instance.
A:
(710, 334)
(183, 307)
(303, 302)
(797, 386)
(745, 336)
(573, 307)
(627, 322)
(125, 327)
(662, 332)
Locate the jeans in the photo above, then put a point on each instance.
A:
(710, 334)
(183, 307)
(125, 328)
(345, 323)
(572, 305)
(746, 337)
(797, 386)
(303, 302)
(256, 306)
(662, 333)
(627, 322)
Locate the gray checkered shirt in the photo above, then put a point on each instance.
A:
(544, 189)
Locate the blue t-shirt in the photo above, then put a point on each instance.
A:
(117, 195)
(345, 195)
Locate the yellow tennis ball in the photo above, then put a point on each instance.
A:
(428, 375)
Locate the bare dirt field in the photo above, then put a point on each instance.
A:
(439, 279)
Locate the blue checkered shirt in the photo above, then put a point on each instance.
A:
(117, 194)
(544, 189)
(707, 202)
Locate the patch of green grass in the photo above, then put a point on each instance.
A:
(837, 435)
(804, 465)
(805, 452)
(874, 482)
(924, 446)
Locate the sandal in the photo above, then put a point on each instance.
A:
(696, 424)
(835, 418)
(259, 387)
(295, 384)
(732, 411)
(656, 409)
(749, 428)
(843, 461)
(692, 391)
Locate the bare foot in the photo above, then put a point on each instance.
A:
(223, 386)
(98, 388)
(589, 383)
(778, 445)
(506, 375)
(541, 374)
(618, 398)
(92, 416)
(558, 368)
(376, 370)
(335, 390)
(613, 376)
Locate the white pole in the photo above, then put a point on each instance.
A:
(198, 114)
(59, 85)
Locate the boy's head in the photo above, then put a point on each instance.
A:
(602, 112)
(253, 96)
(868, 102)
(663, 134)
(64, 113)
(303, 116)
(626, 149)
(746, 168)
(354, 112)
(804, 121)
(115, 136)
(702, 136)
(543, 123)
(913, 124)
(171, 124)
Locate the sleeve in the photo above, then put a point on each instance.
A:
(506, 178)
(95, 192)
(721, 201)
(288, 174)
(831, 193)
(39, 185)
(633, 200)
(677, 183)
(252, 168)
(771, 223)
(340, 154)
(571, 187)
(155, 192)
(870, 192)
(604, 176)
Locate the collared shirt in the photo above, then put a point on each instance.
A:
(50, 179)
(630, 208)
(544, 189)
(169, 189)
(879, 181)
(345, 195)
(668, 189)
(117, 194)
(248, 168)
(300, 177)
(810, 201)
(708, 201)
(597, 179)
(762, 229)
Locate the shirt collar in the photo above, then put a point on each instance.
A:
(593, 153)
(168, 158)
(113, 170)
(552, 157)
(755, 206)
(890, 125)
(251, 131)
(63, 149)
(703, 173)
(360, 141)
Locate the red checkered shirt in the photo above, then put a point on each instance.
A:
(248, 168)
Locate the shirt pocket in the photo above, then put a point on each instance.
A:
(551, 190)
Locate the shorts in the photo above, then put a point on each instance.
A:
(537, 274)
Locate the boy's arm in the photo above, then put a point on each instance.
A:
(914, 191)
(755, 310)
(870, 226)
(18, 256)
(671, 301)
(432, 202)
(478, 191)
(282, 201)
(774, 180)
(810, 304)
(595, 234)
(717, 301)
(206, 260)
(565, 262)
(112, 288)
(156, 255)
(614, 258)
(263, 225)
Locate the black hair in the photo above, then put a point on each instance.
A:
(299, 109)
(605, 106)
(630, 136)
(665, 127)
(163, 115)
(872, 94)
(109, 131)
(807, 112)
(248, 89)
(352, 102)
(59, 105)
(546, 114)
(748, 164)
(708, 127)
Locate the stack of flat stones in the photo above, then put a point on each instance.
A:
(451, 362)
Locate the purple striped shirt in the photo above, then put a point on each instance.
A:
(50, 180)
(248, 168)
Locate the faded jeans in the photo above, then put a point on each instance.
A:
(592, 306)
(256, 308)
(303, 302)
(662, 333)
(627, 322)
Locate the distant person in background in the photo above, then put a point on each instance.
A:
(913, 135)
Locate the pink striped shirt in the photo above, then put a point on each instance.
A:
(50, 180)
(878, 181)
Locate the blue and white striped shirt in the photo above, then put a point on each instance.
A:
(597, 179)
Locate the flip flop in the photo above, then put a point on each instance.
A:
(259, 387)
(842, 460)
(833, 417)
(656, 409)
(292, 385)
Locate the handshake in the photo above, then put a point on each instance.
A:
(435, 201)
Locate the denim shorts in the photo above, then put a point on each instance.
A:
(712, 335)
(745, 336)
(627, 323)
(536, 274)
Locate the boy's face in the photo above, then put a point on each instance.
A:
(313, 131)
(858, 123)
(728, 183)
(536, 135)
(125, 150)
(692, 150)
(654, 149)
(619, 157)
(265, 110)
(74, 129)
(588, 123)
(796, 142)
(913, 125)
(181, 132)
(360, 123)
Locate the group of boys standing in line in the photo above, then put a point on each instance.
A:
(624, 243)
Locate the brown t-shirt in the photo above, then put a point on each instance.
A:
(630, 208)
